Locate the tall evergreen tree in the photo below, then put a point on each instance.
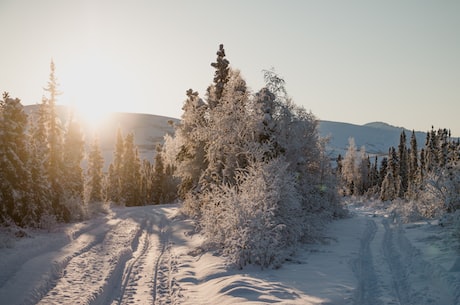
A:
(158, 181)
(95, 173)
(403, 164)
(226, 153)
(73, 154)
(431, 150)
(422, 167)
(14, 174)
(383, 169)
(130, 173)
(339, 161)
(146, 188)
(413, 161)
(115, 170)
(221, 77)
(191, 158)
(374, 174)
(391, 185)
(38, 156)
(55, 157)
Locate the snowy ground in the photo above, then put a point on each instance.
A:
(145, 255)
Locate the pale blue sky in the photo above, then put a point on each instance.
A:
(348, 61)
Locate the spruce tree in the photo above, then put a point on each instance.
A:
(73, 154)
(54, 140)
(403, 164)
(146, 182)
(130, 173)
(221, 77)
(383, 169)
(391, 185)
(413, 161)
(191, 159)
(422, 168)
(228, 132)
(339, 161)
(158, 179)
(14, 175)
(38, 156)
(115, 170)
(95, 173)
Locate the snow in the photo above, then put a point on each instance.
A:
(152, 255)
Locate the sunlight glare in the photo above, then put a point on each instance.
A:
(99, 81)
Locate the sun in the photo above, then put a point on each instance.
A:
(91, 88)
(91, 114)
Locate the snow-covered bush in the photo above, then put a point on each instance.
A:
(47, 221)
(96, 208)
(406, 211)
(255, 221)
(76, 208)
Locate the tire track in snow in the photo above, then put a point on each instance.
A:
(415, 280)
(135, 267)
(367, 291)
(398, 268)
(147, 278)
(85, 277)
(164, 238)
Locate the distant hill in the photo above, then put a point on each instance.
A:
(150, 129)
(377, 137)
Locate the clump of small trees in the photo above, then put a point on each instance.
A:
(252, 167)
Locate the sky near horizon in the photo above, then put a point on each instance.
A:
(347, 61)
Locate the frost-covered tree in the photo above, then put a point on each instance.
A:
(235, 142)
(14, 174)
(349, 167)
(39, 188)
(228, 133)
(190, 140)
(364, 171)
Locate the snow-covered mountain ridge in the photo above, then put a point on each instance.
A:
(377, 137)
(150, 129)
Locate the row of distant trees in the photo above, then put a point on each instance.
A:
(429, 175)
(41, 174)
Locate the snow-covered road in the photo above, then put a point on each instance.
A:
(145, 255)
(117, 259)
(391, 270)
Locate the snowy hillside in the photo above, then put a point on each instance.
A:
(149, 130)
(377, 137)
